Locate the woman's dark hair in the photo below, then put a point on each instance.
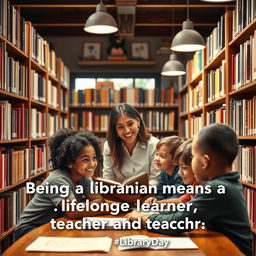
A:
(183, 153)
(114, 142)
(172, 141)
(66, 145)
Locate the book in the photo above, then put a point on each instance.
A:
(70, 244)
(155, 243)
(138, 180)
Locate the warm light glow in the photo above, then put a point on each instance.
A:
(188, 47)
(101, 29)
(173, 73)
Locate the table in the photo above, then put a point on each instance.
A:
(210, 243)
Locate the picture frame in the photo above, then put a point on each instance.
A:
(140, 50)
(92, 51)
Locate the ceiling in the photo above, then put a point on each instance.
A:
(152, 17)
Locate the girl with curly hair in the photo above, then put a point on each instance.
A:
(74, 157)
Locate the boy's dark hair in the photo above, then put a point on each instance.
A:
(221, 140)
(66, 145)
(114, 142)
(183, 153)
(172, 141)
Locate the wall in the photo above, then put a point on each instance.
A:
(70, 50)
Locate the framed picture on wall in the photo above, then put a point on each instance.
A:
(140, 50)
(92, 51)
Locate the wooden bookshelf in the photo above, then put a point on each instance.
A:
(242, 93)
(24, 97)
(104, 111)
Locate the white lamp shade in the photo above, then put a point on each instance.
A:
(100, 22)
(173, 67)
(187, 40)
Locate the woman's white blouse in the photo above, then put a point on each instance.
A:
(141, 160)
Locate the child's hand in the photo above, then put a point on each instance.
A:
(150, 200)
(134, 215)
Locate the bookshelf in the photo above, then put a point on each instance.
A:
(90, 108)
(32, 79)
(229, 92)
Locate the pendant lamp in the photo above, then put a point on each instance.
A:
(100, 22)
(187, 40)
(173, 67)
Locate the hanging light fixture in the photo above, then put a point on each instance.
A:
(173, 67)
(187, 40)
(100, 22)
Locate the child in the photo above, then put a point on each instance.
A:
(74, 157)
(164, 161)
(214, 150)
(183, 156)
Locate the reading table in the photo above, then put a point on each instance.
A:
(210, 243)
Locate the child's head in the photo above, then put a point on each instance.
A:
(214, 149)
(183, 157)
(77, 152)
(165, 150)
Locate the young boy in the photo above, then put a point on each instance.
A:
(214, 150)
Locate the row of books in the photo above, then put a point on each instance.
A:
(184, 128)
(217, 115)
(246, 163)
(14, 165)
(133, 96)
(63, 100)
(196, 124)
(159, 120)
(37, 86)
(184, 103)
(243, 14)
(90, 121)
(215, 42)
(244, 63)
(13, 75)
(250, 198)
(52, 94)
(38, 123)
(197, 63)
(243, 116)
(13, 121)
(12, 26)
(64, 74)
(18, 163)
(215, 83)
(196, 96)
(53, 124)
(12, 204)
(64, 122)
(38, 47)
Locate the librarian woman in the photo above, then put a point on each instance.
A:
(129, 148)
